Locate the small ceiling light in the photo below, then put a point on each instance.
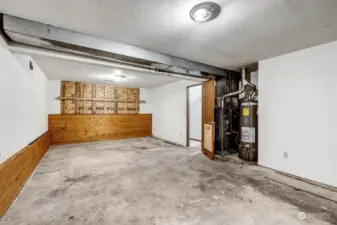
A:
(115, 77)
(205, 12)
(119, 77)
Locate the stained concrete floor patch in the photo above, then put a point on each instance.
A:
(149, 181)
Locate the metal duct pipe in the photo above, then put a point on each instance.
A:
(244, 83)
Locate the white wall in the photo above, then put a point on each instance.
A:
(144, 95)
(23, 114)
(54, 106)
(254, 78)
(298, 113)
(169, 111)
(195, 101)
(54, 91)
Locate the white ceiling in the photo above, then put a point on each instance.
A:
(62, 69)
(246, 30)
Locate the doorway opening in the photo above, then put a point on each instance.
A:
(194, 116)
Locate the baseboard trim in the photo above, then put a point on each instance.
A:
(312, 182)
(170, 142)
(195, 139)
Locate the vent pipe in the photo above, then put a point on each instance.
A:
(244, 83)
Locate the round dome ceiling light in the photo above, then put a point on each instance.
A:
(205, 12)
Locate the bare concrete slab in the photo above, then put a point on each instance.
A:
(148, 181)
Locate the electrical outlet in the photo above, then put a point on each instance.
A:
(285, 155)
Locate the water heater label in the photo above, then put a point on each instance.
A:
(248, 134)
(245, 112)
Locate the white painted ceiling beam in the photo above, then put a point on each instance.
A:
(42, 35)
(33, 51)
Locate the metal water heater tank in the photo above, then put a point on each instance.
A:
(248, 144)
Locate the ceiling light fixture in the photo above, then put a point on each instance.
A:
(205, 12)
(114, 78)
(119, 78)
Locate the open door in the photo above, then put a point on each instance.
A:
(208, 124)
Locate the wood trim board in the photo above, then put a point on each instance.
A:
(16, 170)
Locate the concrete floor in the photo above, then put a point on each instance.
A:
(148, 181)
(195, 144)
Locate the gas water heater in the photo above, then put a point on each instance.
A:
(248, 126)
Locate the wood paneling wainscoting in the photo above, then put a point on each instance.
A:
(16, 170)
(67, 129)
